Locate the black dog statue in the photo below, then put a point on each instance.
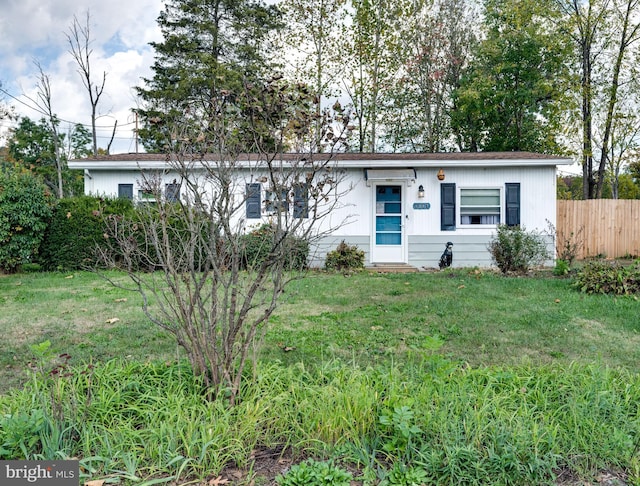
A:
(447, 256)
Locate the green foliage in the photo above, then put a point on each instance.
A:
(76, 228)
(315, 473)
(513, 249)
(599, 277)
(509, 96)
(20, 434)
(24, 213)
(561, 268)
(260, 243)
(475, 426)
(403, 475)
(345, 257)
(32, 146)
(206, 59)
(399, 432)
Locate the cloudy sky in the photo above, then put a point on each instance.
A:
(35, 30)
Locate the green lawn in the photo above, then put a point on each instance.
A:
(457, 377)
(469, 316)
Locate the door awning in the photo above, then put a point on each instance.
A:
(390, 175)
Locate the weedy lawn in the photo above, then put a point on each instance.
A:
(456, 377)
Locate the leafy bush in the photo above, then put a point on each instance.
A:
(513, 249)
(259, 243)
(77, 226)
(345, 257)
(24, 212)
(315, 473)
(561, 268)
(609, 278)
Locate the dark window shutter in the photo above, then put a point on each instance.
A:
(512, 203)
(125, 191)
(253, 201)
(447, 207)
(172, 192)
(300, 201)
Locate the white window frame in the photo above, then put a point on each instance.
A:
(460, 209)
(145, 197)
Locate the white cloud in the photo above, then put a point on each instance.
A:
(36, 30)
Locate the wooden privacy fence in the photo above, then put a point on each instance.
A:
(605, 227)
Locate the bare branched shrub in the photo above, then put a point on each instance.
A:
(568, 246)
(187, 254)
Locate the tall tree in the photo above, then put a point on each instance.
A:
(586, 20)
(211, 51)
(436, 43)
(31, 145)
(509, 98)
(625, 13)
(314, 39)
(44, 104)
(79, 39)
(373, 61)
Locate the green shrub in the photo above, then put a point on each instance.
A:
(77, 226)
(600, 277)
(513, 249)
(561, 268)
(345, 257)
(259, 243)
(24, 212)
(315, 473)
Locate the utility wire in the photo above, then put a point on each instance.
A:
(60, 119)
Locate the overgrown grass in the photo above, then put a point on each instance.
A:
(447, 424)
(458, 377)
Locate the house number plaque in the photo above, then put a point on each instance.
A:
(421, 205)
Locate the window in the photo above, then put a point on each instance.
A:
(480, 206)
(146, 196)
(172, 192)
(277, 200)
(125, 191)
(253, 201)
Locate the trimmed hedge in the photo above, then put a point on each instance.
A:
(76, 227)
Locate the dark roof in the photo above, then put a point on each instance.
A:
(440, 156)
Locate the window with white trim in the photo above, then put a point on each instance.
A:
(146, 196)
(480, 206)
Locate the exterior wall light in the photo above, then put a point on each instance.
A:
(441, 175)
(420, 191)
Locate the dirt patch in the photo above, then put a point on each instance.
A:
(603, 478)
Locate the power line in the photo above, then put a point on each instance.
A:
(36, 109)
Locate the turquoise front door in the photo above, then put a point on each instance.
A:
(388, 236)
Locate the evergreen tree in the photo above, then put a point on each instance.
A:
(213, 54)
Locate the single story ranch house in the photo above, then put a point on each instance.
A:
(400, 209)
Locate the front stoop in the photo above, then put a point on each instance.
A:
(392, 268)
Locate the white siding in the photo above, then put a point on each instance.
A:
(352, 220)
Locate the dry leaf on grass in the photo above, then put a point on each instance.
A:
(218, 481)
(113, 320)
(95, 482)
(121, 300)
